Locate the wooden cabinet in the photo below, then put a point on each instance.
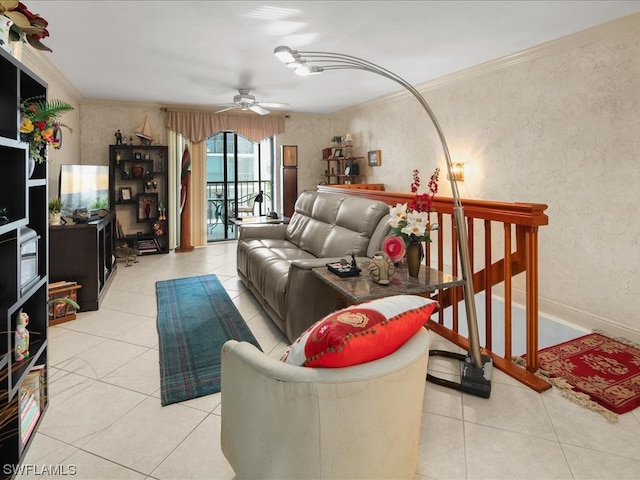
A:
(138, 191)
(24, 248)
(289, 179)
(341, 166)
(84, 253)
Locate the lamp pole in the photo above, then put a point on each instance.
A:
(309, 63)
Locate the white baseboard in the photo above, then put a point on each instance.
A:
(574, 317)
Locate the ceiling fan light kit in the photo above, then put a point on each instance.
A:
(245, 101)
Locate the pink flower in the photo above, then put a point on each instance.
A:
(394, 247)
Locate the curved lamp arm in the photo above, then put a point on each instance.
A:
(310, 63)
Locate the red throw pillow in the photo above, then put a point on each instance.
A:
(360, 333)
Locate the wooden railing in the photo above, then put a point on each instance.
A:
(517, 249)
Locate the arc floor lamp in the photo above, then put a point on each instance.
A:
(476, 368)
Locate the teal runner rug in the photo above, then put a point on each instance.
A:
(195, 318)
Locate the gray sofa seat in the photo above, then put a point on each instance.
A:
(275, 262)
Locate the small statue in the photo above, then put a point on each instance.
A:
(22, 337)
(128, 253)
(381, 268)
(130, 140)
(118, 137)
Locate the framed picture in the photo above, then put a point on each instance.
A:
(125, 194)
(147, 156)
(138, 156)
(375, 158)
(337, 153)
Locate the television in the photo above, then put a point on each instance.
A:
(84, 186)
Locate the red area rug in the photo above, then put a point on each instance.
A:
(595, 368)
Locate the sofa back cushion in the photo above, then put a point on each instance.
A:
(331, 225)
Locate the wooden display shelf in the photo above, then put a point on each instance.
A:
(62, 312)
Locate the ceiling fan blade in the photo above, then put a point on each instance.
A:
(228, 108)
(258, 109)
(273, 105)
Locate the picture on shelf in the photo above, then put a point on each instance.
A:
(337, 153)
(125, 194)
(147, 207)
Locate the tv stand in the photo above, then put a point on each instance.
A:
(83, 253)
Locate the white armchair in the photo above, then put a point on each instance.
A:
(359, 422)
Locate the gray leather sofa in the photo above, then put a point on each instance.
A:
(275, 262)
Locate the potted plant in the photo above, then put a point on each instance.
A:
(55, 207)
(40, 126)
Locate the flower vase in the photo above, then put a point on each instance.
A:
(414, 258)
(32, 166)
(5, 27)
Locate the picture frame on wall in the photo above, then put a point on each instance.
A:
(375, 158)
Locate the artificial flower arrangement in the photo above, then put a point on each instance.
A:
(26, 26)
(40, 126)
(410, 221)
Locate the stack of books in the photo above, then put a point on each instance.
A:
(148, 245)
(31, 402)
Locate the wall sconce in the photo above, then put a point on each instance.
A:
(457, 171)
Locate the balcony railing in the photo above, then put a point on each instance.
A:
(503, 243)
(222, 190)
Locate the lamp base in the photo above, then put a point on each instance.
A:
(473, 380)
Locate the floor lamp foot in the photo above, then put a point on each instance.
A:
(473, 380)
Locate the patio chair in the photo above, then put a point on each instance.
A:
(247, 204)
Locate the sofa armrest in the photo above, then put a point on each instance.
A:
(276, 231)
(309, 298)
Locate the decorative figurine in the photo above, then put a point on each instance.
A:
(381, 268)
(130, 140)
(118, 137)
(128, 253)
(22, 337)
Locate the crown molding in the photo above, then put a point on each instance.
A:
(627, 25)
(34, 57)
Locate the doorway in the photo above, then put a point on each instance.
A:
(237, 171)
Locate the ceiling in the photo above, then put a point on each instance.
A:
(198, 53)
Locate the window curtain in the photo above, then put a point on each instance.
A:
(192, 128)
(197, 191)
(198, 126)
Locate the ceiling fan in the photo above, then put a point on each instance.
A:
(245, 101)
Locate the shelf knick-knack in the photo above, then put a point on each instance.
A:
(22, 337)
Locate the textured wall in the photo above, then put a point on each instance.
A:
(560, 127)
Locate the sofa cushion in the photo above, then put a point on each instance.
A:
(328, 225)
(360, 333)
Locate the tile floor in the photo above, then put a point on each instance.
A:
(105, 418)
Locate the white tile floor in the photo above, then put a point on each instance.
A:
(105, 418)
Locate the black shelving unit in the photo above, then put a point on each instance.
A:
(24, 256)
(138, 190)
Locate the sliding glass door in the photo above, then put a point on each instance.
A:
(237, 171)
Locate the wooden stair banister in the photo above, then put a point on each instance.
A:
(520, 223)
